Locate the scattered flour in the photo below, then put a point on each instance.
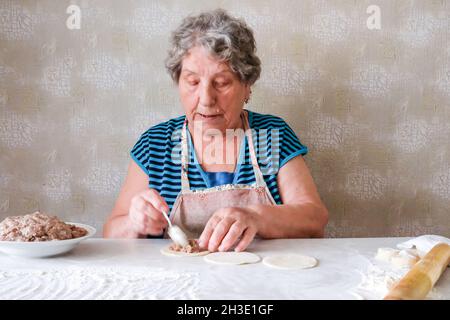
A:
(380, 278)
(104, 283)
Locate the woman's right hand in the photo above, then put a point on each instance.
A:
(145, 213)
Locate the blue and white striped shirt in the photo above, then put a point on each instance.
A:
(154, 149)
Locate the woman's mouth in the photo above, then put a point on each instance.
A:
(209, 116)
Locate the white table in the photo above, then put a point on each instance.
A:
(135, 269)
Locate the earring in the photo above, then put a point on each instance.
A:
(248, 98)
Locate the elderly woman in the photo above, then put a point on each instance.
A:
(241, 174)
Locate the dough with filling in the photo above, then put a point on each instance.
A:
(191, 250)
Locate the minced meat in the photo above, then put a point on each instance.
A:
(38, 227)
(192, 247)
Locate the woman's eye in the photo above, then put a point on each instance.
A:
(221, 84)
(193, 83)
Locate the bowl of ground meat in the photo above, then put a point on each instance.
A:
(39, 235)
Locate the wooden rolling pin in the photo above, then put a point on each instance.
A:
(416, 284)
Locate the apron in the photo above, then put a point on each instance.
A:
(193, 208)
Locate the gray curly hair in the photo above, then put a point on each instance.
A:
(227, 38)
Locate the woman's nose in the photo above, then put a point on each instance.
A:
(207, 97)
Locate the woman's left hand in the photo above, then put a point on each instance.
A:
(227, 226)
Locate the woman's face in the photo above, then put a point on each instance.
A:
(211, 94)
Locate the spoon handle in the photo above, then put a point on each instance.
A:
(167, 218)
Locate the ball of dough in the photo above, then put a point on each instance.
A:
(398, 258)
(404, 259)
(386, 254)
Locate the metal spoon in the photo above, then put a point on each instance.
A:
(175, 233)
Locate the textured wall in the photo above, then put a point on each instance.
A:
(372, 105)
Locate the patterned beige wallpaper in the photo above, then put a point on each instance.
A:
(371, 104)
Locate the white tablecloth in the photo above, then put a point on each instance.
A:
(135, 269)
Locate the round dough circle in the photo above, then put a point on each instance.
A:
(290, 261)
(168, 252)
(233, 258)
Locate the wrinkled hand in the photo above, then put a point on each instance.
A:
(145, 213)
(229, 226)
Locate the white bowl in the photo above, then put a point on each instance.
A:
(41, 249)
